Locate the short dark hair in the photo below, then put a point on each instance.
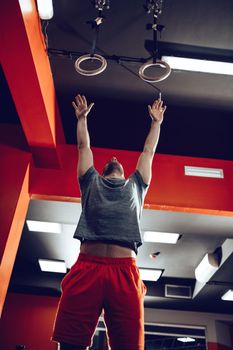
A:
(112, 167)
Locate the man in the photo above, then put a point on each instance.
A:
(105, 277)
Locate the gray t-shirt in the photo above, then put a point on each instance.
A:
(111, 208)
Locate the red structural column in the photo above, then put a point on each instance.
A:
(14, 200)
(24, 317)
(27, 70)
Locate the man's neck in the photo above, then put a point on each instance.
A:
(114, 175)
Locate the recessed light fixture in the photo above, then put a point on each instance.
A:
(186, 339)
(203, 172)
(160, 237)
(45, 9)
(150, 274)
(43, 226)
(47, 265)
(228, 295)
(197, 65)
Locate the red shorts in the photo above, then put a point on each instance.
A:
(95, 284)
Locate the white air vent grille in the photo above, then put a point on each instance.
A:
(203, 172)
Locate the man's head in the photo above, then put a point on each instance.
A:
(113, 167)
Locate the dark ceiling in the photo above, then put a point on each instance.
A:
(199, 119)
(198, 123)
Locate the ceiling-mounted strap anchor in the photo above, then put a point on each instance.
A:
(100, 5)
(154, 6)
(158, 27)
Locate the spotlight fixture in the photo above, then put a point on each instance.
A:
(45, 9)
(154, 255)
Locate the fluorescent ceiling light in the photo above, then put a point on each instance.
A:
(42, 226)
(203, 172)
(207, 267)
(161, 237)
(150, 274)
(45, 9)
(186, 339)
(228, 295)
(196, 65)
(52, 265)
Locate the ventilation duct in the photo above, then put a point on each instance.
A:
(178, 291)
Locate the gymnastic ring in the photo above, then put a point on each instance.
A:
(93, 71)
(155, 78)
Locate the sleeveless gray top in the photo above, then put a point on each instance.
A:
(111, 209)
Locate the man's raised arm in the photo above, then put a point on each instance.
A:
(85, 160)
(144, 164)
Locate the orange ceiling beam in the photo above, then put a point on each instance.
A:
(13, 209)
(27, 70)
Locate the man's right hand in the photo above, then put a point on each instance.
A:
(156, 111)
(80, 106)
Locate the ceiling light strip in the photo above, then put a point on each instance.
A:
(197, 65)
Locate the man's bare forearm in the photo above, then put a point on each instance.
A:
(152, 138)
(83, 138)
